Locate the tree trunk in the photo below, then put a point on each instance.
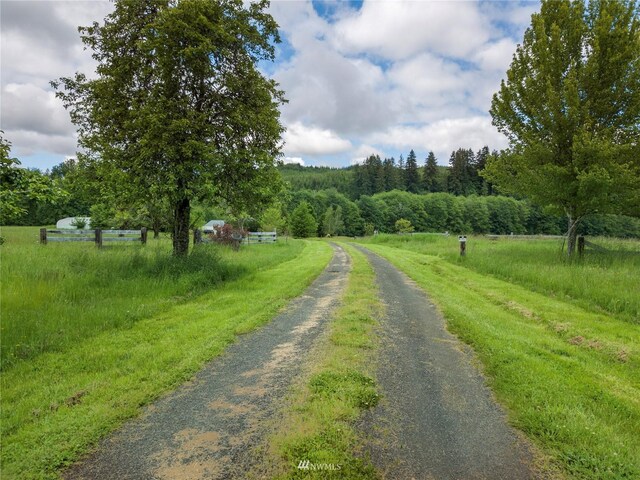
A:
(572, 234)
(155, 225)
(181, 220)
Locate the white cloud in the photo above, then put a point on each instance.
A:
(496, 55)
(302, 140)
(331, 91)
(400, 29)
(31, 108)
(27, 143)
(427, 87)
(39, 43)
(323, 87)
(445, 136)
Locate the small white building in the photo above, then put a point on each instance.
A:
(70, 221)
(210, 226)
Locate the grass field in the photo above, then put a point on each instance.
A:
(563, 359)
(607, 282)
(56, 295)
(59, 400)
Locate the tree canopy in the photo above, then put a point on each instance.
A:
(178, 105)
(18, 186)
(570, 107)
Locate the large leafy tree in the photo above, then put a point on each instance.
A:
(570, 107)
(179, 106)
(19, 186)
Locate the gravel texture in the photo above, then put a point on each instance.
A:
(210, 427)
(438, 419)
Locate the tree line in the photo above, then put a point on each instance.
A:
(309, 213)
(67, 190)
(375, 175)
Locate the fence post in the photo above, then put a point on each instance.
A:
(463, 245)
(580, 245)
(197, 236)
(98, 237)
(143, 235)
(43, 236)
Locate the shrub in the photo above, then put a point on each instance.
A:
(369, 229)
(404, 226)
(227, 234)
(79, 223)
(303, 223)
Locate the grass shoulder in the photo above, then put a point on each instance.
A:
(603, 280)
(58, 404)
(316, 438)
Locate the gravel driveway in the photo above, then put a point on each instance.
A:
(438, 420)
(209, 428)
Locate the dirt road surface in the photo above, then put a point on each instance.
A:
(438, 420)
(208, 428)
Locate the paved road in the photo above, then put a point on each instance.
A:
(438, 420)
(209, 428)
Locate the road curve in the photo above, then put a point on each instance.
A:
(438, 419)
(209, 428)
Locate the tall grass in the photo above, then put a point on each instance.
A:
(58, 404)
(601, 281)
(56, 295)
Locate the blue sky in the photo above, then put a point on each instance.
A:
(361, 77)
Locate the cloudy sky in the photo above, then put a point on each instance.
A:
(379, 76)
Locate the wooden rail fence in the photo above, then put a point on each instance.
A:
(525, 237)
(98, 236)
(252, 238)
(262, 237)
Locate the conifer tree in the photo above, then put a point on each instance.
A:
(401, 179)
(390, 174)
(411, 173)
(302, 222)
(429, 174)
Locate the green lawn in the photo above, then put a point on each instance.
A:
(57, 402)
(567, 370)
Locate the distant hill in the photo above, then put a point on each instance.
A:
(342, 179)
(318, 178)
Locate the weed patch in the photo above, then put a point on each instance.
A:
(352, 387)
